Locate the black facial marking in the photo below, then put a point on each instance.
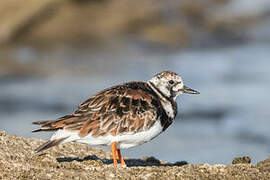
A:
(171, 82)
(172, 93)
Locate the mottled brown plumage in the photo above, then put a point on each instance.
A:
(130, 107)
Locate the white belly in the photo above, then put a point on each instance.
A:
(123, 141)
(131, 140)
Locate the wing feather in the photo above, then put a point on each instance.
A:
(122, 109)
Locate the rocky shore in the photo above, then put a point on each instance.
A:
(76, 161)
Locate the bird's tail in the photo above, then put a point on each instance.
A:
(50, 144)
(53, 125)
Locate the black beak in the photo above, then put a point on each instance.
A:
(188, 90)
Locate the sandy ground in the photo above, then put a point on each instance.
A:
(76, 161)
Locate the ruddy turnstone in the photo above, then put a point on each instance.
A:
(122, 116)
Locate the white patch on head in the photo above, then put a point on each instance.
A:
(123, 141)
(162, 82)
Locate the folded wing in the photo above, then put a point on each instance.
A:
(122, 109)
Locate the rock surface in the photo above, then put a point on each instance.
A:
(76, 161)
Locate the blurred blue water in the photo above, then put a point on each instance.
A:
(229, 118)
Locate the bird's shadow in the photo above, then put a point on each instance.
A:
(149, 161)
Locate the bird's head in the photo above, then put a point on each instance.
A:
(170, 85)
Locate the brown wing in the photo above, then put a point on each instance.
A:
(117, 110)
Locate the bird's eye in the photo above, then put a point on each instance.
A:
(171, 82)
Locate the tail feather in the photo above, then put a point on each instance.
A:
(41, 122)
(50, 144)
(52, 125)
(38, 130)
(45, 125)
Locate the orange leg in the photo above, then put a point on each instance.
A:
(114, 153)
(120, 157)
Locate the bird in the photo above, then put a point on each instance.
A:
(122, 116)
